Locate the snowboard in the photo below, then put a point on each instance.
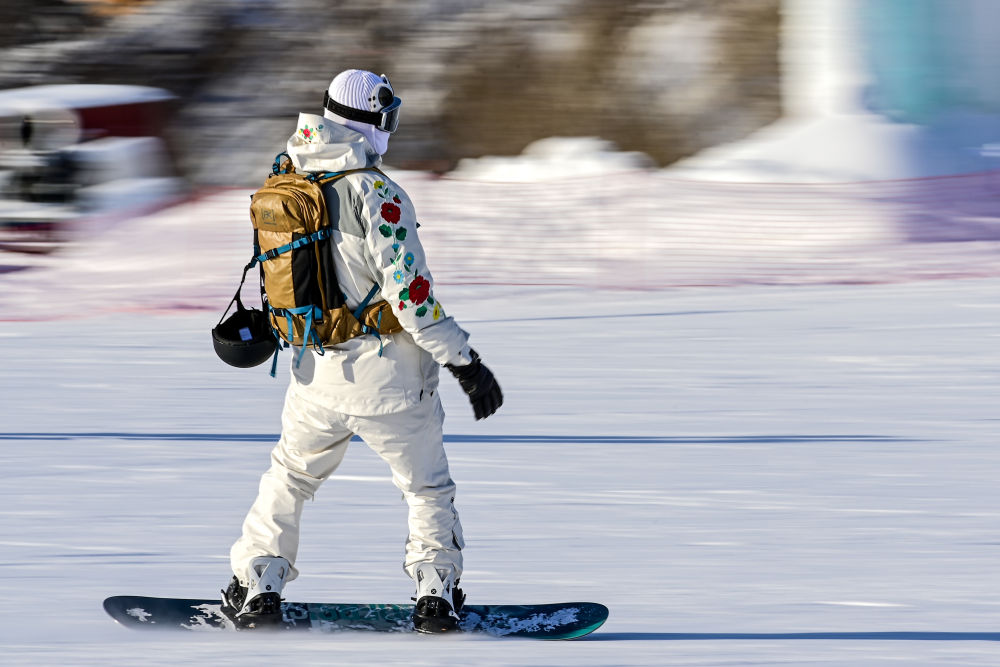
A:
(567, 620)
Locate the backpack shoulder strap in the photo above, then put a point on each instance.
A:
(282, 166)
(327, 176)
(364, 303)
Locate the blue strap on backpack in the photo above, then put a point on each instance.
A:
(365, 328)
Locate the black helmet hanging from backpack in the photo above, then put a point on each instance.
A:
(245, 339)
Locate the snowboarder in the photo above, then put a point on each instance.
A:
(383, 389)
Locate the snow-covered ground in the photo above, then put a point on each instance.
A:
(777, 469)
(634, 229)
(729, 469)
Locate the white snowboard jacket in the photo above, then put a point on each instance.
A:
(375, 241)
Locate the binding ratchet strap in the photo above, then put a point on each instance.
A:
(324, 233)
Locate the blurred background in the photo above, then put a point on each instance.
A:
(743, 140)
(478, 77)
(732, 243)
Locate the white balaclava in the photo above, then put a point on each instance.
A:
(354, 88)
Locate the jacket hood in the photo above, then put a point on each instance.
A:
(320, 144)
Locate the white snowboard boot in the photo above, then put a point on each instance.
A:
(438, 599)
(259, 603)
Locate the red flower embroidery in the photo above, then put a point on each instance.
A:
(390, 212)
(396, 199)
(402, 305)
(420, 289)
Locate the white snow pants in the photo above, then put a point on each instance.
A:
(313, 443)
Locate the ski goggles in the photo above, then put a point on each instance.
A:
(385, 114)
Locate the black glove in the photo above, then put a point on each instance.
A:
(478, 382)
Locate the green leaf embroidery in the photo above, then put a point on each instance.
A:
(421, 311)
(401, 233)
(385, 230)
(405, 294)
(430, 300)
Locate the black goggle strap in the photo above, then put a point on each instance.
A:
(380, 119)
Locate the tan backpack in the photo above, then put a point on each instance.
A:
(292, 243)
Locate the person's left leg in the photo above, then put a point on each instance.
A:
(412, 443)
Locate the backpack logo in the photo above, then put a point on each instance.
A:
(267, 217)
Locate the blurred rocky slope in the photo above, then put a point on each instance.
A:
(477, 77)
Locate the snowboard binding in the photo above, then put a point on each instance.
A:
(438, 601)
(434, 615)
(262, 611)
(259, 605)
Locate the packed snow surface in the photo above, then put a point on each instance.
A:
(744, 475)
(777, 469)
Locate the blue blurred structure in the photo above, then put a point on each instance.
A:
(876, 90)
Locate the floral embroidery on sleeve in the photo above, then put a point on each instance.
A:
(390, 212)
(417, 292)
(414, 289)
